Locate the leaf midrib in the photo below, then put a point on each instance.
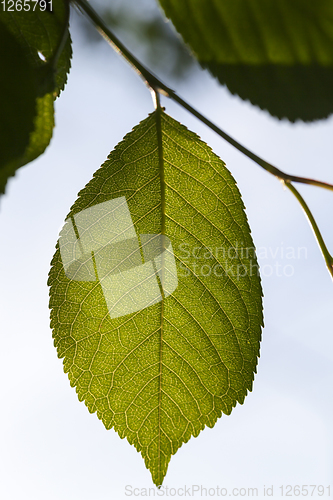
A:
(158, 114)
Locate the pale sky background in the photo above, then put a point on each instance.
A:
(51, 447)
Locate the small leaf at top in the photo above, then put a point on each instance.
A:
(155, 295)
(276, 53)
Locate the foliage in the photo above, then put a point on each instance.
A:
(143, 27)
(27, 117)
(154, 345)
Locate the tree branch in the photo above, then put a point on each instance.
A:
(62, 40)
(157, 86)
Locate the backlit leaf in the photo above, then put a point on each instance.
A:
(17, 102)
(276, 53)
(30, 80)
(155, 294)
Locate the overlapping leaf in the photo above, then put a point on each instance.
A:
(276, 53)
(158, 368)
(34, 61)
(17, 103)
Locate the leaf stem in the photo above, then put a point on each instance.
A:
(327, 256)
(150, 80)
(160, 157)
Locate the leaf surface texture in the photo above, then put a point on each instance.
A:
(187, 352)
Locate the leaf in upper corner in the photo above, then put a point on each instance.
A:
(30, 81)
(38, 140)
(276, 53)
(155, 295)
(17, 103)
(39, 33)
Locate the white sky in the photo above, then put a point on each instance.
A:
(51, 447)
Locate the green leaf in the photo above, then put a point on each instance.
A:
(17, 103)
(40, 33)
(278, 54)
(159, 334)
(27, 114)
(38, 140)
